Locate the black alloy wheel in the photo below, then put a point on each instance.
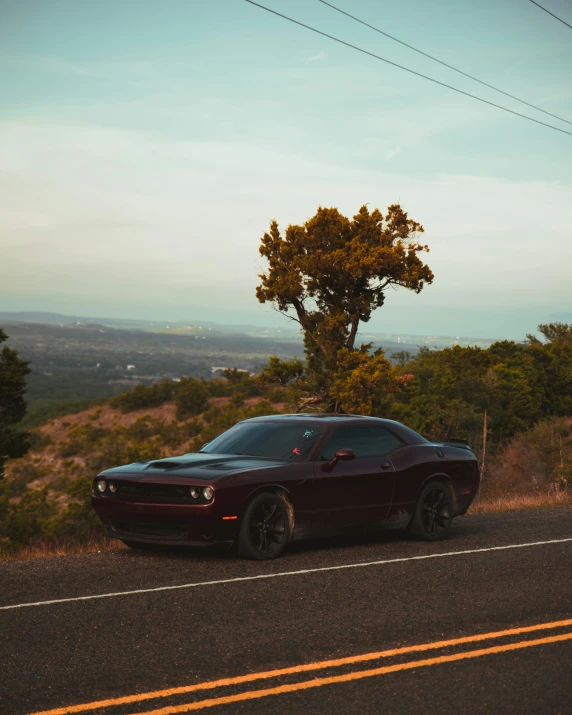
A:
(432, 518)
(265, 527)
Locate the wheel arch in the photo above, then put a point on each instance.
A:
(271, 488)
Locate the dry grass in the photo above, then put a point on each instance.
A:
(520, 501)
(62, 548)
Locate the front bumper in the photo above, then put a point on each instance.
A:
(176, 524)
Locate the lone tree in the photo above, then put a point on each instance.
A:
(329, 275)
(13, 373)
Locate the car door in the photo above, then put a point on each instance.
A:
(357, 491)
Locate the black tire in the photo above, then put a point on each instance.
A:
(265, 527)
(432, 518)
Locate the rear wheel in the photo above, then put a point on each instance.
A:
(432, 518)
(265, 528)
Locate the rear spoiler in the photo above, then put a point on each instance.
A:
(459, 443)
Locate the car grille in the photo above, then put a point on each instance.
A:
(173, 531)
(142, 491)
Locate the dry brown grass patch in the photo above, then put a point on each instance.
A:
(521, 501)
(62, 548)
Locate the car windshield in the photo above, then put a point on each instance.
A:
(270, 440)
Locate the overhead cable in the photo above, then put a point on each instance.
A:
(551, 13)
(445, 64)
(406, 69)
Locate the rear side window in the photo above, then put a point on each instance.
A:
(364, 441)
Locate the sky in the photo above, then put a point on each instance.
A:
(145, 147)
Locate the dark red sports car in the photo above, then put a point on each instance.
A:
(269, 480)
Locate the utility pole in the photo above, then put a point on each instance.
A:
(562, 476)
(484, 454)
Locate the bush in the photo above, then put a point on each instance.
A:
(82, 440)
(141, 397)
(534, 461)
(220, 388)
(119, 448)
(23, 472)
(28, 518)
(191, 398)
(78, 520)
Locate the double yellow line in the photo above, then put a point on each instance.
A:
(319, 682)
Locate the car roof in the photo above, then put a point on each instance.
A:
(406, 433)
(311, 416)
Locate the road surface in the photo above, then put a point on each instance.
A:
(481, 622)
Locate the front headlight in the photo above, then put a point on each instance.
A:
(101, 485)
(195, 492)
(112, 487)
(208, 493)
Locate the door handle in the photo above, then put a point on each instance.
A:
(385, 465)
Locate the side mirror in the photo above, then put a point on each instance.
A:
(341, 455)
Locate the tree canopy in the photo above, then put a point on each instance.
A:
(13, 371)
(329, 275)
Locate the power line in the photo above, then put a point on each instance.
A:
(425, 54)
(401, 67)
(551, 13)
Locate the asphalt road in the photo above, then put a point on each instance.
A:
(505, 614)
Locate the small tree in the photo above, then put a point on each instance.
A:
(553, 332)
(281, 372)
(331, 273)
(13, 373)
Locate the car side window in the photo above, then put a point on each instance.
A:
(365, 441)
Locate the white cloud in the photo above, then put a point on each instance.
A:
(130, 218)
(392, 153)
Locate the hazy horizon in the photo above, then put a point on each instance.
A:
(137, 174)
(279, 324)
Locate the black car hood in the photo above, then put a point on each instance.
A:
(197, 465)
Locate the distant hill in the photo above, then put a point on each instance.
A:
(146, 325)
(389, 341)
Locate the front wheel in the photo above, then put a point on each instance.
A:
(265, 528)
(432, 518)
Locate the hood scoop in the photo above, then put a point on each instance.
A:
(164, 464)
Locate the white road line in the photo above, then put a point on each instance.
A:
(285, 573)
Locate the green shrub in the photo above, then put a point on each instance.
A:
(141, 397)
(28, 518)
(220, 388)
(191, 398)
(78, 520)
(23, 472)
(144, 428)
(82, 439)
